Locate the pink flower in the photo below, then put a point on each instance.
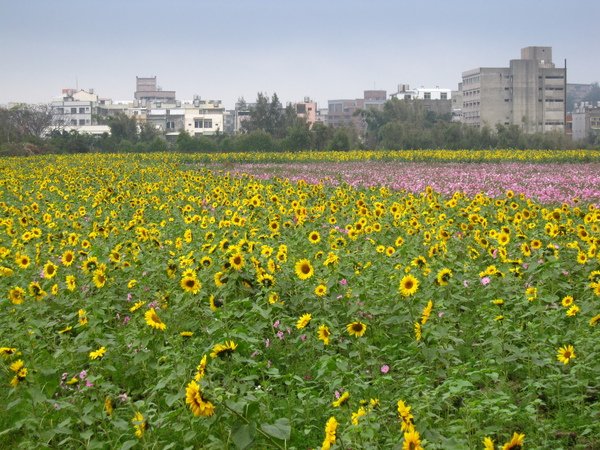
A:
(385, 368)
(82, 374)
(276, 324)
(129, 297)
(343, 282)
(267, 342)
(88, 383)
(280, 334)
(303, 337)
(485, 281)
(466, 283)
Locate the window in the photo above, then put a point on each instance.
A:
(60, 110)
(73, 122)
(427, 95)
(198, 123)
(81, 121)
(81, 110)
(207, 123)
(73, 110)
(444, 95)
(170, 125)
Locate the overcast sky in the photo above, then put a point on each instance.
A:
(324, 49)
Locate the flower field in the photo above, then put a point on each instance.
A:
(359, 302)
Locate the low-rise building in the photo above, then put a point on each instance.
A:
(204, 117)
(586, 121)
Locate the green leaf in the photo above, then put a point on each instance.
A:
(281, 429)
(129, 444)
(242, 436)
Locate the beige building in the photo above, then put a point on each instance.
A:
(529, 93)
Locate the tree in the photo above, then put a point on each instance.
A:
(25, 122)
(123, 127)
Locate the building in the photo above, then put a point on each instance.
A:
(529, 93)
(586, 121)
(307, 110)
(343, 113)
(438, 100)
(74, 108)
(204, 117)
(147, 90)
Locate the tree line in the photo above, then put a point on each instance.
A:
(270, 127)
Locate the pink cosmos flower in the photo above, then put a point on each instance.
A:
(385, 368)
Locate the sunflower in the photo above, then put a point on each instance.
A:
(82, 317)
(303, 321)
(304, 270)
(237, 261)
(198, 405)
(341, 400)
(356, 329)
(330, 433)
(314, 237)
(50, 270)
(16, 295)
(214, 303)
(406, 417)
(98, 354)
(139, 424)
(594, 320)
(515, 443)
(190, 284)
(206, 261)
(154, 321)
(418, 331)
(220, 279)
(565, 354)
(488, 443)
(67, 258)
(5, 352)
(201, 369)
(324, 334)
(226, 348)
(426, 312)
(361, 412)
(22, 260)
(443, 277)
(70, 280)
(36, 290)
(99, 278)
(573, 310)
(321, 290)
(412, 440)
(408, 285)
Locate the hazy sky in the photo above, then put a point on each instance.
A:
(325, 49)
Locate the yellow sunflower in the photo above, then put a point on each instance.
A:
(198, 405)
(357, 329)
(154, 321)
(408, 285)
(565, 354)
(190, 284)
(515, 443)
(324, 334)
(304, 270)
(303, 321)
(226, 348)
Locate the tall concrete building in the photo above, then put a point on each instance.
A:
(529, 93)
(147, 90)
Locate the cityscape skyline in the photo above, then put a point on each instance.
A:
(238, 48)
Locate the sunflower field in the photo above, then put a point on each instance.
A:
(168, 301)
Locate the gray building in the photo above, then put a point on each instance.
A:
(586, 121)
(341, 113)
(529, 93)
(147, 90)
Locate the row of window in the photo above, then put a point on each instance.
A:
(81, 122)
(82, 110)
(203, 123)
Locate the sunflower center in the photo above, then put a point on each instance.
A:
(305, 269)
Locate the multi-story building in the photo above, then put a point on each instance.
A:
(438, 100)
(204, 117)
(342, 113)
(586, 121)
(529, 93)
(74, 108)
(307, 110)
(147, 90)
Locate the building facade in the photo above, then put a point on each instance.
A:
(147, 90)
(530, 93)
(342, 113)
